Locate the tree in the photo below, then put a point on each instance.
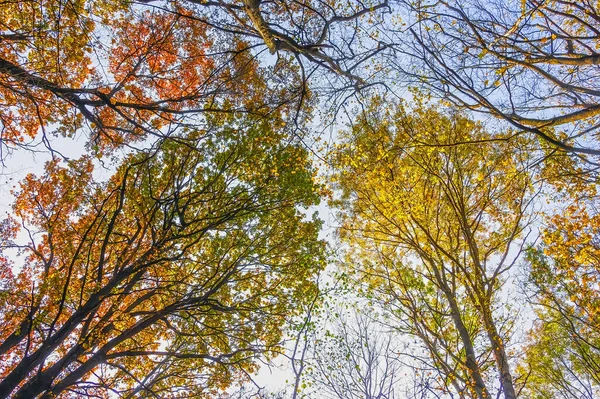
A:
(563, 355)
(122, 70)
(434, 208)
(172, 278)
(354, 358)
(558, 363)
(531, 63)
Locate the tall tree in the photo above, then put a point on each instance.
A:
(125, 69)
(172, 278)
(533, 63)
(433, 221)
(563, 354)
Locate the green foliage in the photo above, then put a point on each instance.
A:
(174, 276)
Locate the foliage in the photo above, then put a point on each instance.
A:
(433, 208)
(121, 70)
(174, 276)
(563, 357)
(168, 280)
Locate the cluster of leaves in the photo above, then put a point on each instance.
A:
(169, 279)
(433, 208)
(123, 70)
(563, 357)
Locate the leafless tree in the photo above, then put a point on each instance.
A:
(354, 358)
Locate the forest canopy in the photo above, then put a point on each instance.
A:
(161, 238)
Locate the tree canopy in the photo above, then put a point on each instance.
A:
(431, 227)
(167, 279)
(451, 145)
